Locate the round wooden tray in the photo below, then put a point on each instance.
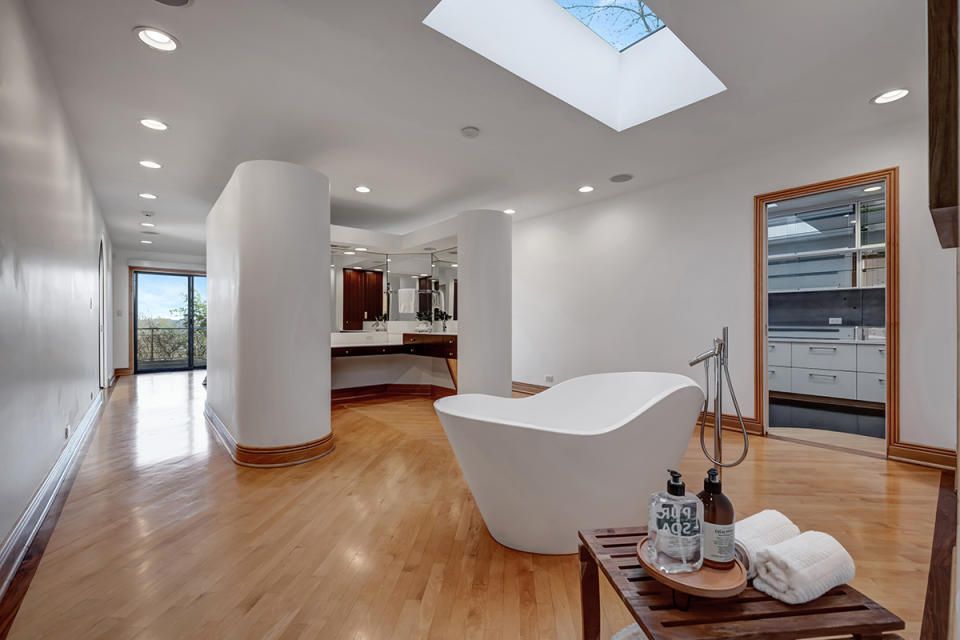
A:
(705, 583)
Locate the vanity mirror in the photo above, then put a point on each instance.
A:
(370, 287)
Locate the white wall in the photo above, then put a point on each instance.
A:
(645, 280)
(268, 308)
(50, 234)
(125, 259)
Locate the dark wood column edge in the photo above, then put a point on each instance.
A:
(943, 121)
(21, 551)
(283, 456)
(936, 608)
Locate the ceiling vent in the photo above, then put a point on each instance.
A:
(175, 3)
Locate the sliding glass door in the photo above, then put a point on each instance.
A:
(170, 321)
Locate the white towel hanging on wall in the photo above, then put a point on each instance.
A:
(407, 300)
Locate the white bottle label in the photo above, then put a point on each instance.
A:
(718, 542)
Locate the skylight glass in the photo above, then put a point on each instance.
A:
(621, 23)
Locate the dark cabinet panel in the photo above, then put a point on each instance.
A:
(372, 295)
(352, 300)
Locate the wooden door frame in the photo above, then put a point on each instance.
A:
(896, 447)
(131, 278)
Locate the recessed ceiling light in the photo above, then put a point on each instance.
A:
(423, 275)
(146, 242)
(148, 196)
(585, 189)
(332, 266)
(772, 205)
(874, 188)
(156, 125)
(147, 224)
(455, 265)
(890, 96)
(150, 164)
(156, 38)
(509, 212)
(389, 260)
(360, 249)
(349, 253)
(362, 188)
(378, 269)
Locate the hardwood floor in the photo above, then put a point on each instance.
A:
(163, 536)
(853, 441)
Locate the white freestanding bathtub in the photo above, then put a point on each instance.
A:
(584, 454)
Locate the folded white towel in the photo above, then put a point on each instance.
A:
(633, 632)
(803, 568)
(761, 530)
(407, 300)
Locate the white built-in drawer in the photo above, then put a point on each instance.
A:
(778, 379)
(816, 355)
(872, 358)
(824, 382)
(778, 354)
(872, 387)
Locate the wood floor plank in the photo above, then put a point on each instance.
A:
(162, 536)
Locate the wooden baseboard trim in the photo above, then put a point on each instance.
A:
(339, 396)
(21, 551)
(285, 456)
(127, 371)
(923, 455)
(936, 607)
(529, 389)
(731, 423)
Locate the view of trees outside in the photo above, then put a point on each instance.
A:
(622, 23)
(163, 320)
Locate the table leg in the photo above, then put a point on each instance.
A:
(589, 595)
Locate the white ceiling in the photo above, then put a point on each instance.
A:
(365, 93)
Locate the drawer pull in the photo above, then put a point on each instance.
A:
(881, 381)
(772, 372)
(822, 348)
(772, 347)
(881, 350)
(822, 375)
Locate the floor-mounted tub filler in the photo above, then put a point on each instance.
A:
(585, 453)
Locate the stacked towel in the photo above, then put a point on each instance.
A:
(803, 568)
(633, 632)
(761, 530)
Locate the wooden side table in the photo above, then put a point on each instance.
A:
(843, 611)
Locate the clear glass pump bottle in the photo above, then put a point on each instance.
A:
(674, 528)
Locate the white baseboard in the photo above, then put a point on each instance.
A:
(15, 545)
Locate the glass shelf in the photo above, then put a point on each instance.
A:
(832, 271)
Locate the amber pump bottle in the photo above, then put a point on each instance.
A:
(718, 524)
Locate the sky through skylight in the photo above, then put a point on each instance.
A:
(621, 23)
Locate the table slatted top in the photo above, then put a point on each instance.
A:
(752, 614)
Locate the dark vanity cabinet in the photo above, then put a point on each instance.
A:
(362, 297)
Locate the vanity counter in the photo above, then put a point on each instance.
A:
(393, 360)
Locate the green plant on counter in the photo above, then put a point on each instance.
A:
(425, 316)
(383, 317)
(441, 316)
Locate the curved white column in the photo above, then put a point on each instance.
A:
(268, 351)
(485, 251)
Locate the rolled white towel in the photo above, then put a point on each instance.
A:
(633, 632)
(761, 530)
(803, 568)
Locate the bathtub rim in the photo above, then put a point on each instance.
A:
(683, 382)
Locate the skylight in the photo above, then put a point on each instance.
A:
(621, 23)
(620, 88)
